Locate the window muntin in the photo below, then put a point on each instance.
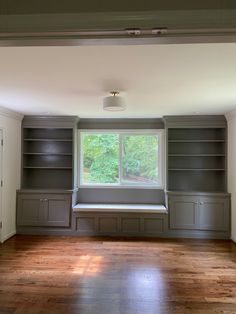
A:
(121, 158)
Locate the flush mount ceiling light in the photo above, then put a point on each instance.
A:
(113, 102)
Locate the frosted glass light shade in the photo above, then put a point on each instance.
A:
(113, 103)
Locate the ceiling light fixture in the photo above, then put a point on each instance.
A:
(114, 102)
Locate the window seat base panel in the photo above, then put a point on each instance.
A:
(120, 223)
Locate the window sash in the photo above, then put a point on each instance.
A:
(121, 133)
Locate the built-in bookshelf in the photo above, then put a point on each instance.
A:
(196, 159)
(47, 158)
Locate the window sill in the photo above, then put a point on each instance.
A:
(124, 187)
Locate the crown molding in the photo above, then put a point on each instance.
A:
(231, 115)
(10, 113)
(195, 121)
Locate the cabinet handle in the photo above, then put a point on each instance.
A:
(196, 203)
(45, 199)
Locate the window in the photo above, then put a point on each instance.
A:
(121, 158)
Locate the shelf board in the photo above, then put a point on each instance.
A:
(47, 140)
(199, 169)
(49, 154)
(31, 167)
(196, 155)
(196, 141)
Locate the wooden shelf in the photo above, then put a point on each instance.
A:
(200, 169)
(47, 140)
(31, 167)
(49, 154)
(196, 155)
(196, 141)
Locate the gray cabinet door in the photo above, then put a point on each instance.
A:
(214, 214)
(57, 210)
(30, 210)
(183, 212)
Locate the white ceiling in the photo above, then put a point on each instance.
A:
(155, 80)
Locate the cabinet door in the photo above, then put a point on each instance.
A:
(57, 210)
(30, 210)
(183, 212)
(214, 214)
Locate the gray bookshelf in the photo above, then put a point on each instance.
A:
(47, 158)
(197, 176)
(196, 159)
(49, 169)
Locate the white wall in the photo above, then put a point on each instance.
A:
(10, 123)
(231, 117)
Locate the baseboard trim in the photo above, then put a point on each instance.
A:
(8, 236)
(233, 239)
(170, 235)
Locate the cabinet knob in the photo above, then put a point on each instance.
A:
(45, 199)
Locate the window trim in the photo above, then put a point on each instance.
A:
(161, 159)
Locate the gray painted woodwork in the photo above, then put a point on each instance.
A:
(183, 212)
(49, 166)
(197, 175)
(49, 153)
(48, 209)
(214, 214)
(196, 121)
(30, 211)
(121, 195)
(201, 212)
(64, 24)
(57, 210)
(50, 122)
(198, 205)
(53, 6)
(196, 153)
(107, 223)
(121, 124)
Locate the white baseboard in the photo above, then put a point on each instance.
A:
(8, 236)
(233, 239)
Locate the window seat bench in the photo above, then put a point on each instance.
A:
(120, 219)
(121, 208)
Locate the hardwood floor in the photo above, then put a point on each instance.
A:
(116, 276)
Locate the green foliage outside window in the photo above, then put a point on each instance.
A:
(101, 158)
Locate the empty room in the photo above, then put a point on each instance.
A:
(117, 157)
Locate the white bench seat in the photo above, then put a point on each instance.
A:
(124, 208)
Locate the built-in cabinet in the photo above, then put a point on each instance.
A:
(49, 169)
(199, 212)
(196, 182)
(197, 175)
(44, 209)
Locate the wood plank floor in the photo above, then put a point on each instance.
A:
(116, 276)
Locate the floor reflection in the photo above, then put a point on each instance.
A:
(88, 265)
(145, 282)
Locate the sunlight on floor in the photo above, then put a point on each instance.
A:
(88, 265)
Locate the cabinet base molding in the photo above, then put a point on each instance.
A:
(190, 235)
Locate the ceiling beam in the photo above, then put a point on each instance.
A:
(154, 27)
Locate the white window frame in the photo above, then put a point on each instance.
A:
(161, 160)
